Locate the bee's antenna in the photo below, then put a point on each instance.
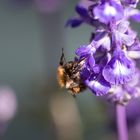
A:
(62, 59)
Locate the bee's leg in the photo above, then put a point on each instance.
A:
(74, 96)
(62, 58)
(75, 59)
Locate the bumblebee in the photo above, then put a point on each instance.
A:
(68, 75)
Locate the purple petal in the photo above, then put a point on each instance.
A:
(106, 43)
(99, 86)
(123, 26)
(85, 73)
(101, 39)
(131, 33)
(81, 11)
(74, 22)
(132, 13)
(124, 38)
(84, 50)
(99, 35)
(135, 46)
(119, 70)
(96, 69)
(136, 16)
(115, 93)
(118, 95)
(107, 11)
(135, 80)
(134, 54)
(91, 61)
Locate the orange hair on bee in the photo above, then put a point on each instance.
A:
(61, 76)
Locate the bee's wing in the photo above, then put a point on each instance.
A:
(78, 65)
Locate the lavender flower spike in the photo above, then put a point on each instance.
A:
(110, 55)
(110, 66)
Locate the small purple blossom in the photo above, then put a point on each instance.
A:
(119, 69)
(98, 85)
(107, 11)
(109, 58)
(83, 17)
